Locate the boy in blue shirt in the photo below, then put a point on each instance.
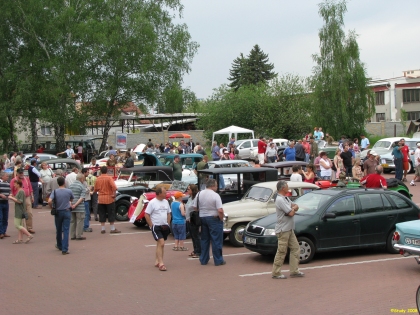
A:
(178, 222)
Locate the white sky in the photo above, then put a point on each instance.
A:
(287, 31)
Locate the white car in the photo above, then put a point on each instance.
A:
(259, 201)
(383, 146)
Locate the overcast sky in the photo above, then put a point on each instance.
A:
(287, 31)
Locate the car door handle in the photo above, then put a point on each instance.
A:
(356, 221)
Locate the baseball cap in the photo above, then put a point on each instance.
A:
(178, 194)
(373, 153)
(418, 144)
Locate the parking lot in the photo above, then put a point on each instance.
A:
(115, 274)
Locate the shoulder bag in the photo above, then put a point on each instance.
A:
(195, 215)
(53, 206)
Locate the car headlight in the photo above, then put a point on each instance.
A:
(269, 232)
(225, 217)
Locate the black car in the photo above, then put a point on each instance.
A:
(134, 181)
(245, 176)
(337, 219)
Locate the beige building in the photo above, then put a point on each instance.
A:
(394, 94)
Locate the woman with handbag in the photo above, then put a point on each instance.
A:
(194, 229)
(20, 213)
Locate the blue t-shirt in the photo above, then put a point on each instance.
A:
(177, 217)
(317, 135)
(397, 153)
(290, 154)
(62, 200)
(214, 154)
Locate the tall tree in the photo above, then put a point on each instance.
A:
(253, 69)
(342, 99)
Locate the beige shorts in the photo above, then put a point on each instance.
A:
(417, 171)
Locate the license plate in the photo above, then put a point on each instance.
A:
(385, 165)
(250, 240)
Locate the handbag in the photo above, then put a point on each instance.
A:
(195, 215)
(53, 208)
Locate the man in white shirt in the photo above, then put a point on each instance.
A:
(417, 165)
(69, 152)
(158, 214)
(71, 178)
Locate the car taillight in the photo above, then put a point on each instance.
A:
(396, 236)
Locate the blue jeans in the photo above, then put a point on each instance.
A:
(211, 231)
(35, 188)
(4, 216)
(87, 215)
(62, 226)
(398, 168)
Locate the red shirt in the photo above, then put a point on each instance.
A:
(40, 150)
(26, 186)
(405, 150)
(374, 181)
(306, 147)
(262, 146)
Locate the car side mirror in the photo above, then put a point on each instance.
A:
(329, 215)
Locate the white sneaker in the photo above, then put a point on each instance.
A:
(133, 218)
(412, 183)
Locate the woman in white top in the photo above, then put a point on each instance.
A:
(325, 166)
(46, 175)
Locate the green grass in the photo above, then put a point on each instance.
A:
(374, 139)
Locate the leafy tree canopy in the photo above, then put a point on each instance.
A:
(342, 99)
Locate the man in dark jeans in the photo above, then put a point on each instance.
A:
(398, 160)
(347, 160)
(34, 177)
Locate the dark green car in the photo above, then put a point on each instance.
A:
(337, 219)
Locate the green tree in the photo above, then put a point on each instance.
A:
(279, 109)
(342, 99)
(253, 69)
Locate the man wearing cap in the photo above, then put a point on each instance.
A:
(371, 163)
(177, 167)
(29, 196)
(35, 178)
(158, 214)
(416, 164)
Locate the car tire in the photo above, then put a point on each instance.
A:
(121, 210)
(140, 223)
(390, 242)
(234, 237)
(410, 168)
(307, 250)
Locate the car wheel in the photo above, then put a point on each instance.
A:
(121, 210)
(307, 250)
(235, 237)
(410, 168)
(390, 244)
(140, 223)
(418, 299)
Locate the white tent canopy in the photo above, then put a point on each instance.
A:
(233, 131)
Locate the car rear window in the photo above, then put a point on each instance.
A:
(399, 202)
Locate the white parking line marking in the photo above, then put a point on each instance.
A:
(167, 244)
(228, 255)
(329, 266)
(129, 233)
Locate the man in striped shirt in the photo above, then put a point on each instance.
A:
(4, 204)
(107, 190)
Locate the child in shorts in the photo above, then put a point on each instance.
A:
(179, 228)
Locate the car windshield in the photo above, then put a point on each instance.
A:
(237, 143)
(259, 193)
(310, 203)
(382, 144)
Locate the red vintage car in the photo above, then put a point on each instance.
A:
(139, 205)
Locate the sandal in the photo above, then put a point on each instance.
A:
(18, 242)
(192, 254)
(29, 238)
(176, 248)
(162, 267)
(195, 256)
(157, 265)
(182, 249)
